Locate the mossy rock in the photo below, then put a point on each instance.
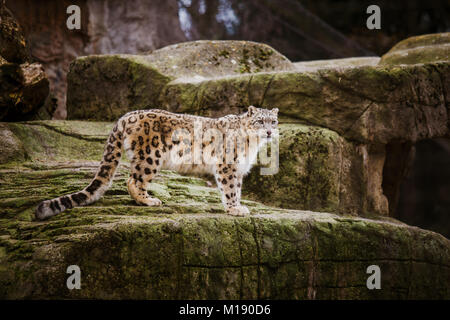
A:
(108, 86)
(208, 59)
(419, 49)
(11, 147)
(12, 42)
(24, 86)
(318, 171)
(188, 248)
(360, 101)
(23, 91)
(311, 66)
(57, 140)
(103, 87)
(366, 104)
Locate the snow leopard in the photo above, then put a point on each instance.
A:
(154, 139)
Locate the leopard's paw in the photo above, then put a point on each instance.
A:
(151, 202)
(238, 211)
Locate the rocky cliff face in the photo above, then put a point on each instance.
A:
(109, 27)
(188, 248)
(342, 128)
(347, 130)
(420, 49)
(24, 85)
(301, 30)
(106, 27)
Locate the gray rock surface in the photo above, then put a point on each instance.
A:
(370, 109)
(419, 49)
(188, 248)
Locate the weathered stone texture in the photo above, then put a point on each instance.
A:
(346, 137)
(24, 87)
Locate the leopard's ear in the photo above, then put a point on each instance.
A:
(251, 110)
(274, 111)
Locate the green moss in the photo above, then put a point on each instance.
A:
(116, 84)
(2, 253)
(126, 76)
(419, 49)
(423, 41)
(189, 248)
(143, 253)
(340, 99)
(308, 176)
(417, 55)
(44, 142)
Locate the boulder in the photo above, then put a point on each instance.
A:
(24, 86)
(114, 26)
(347, 130)
(380, 110)
(318, 170)
(11, 147)
(117, 84)
(24, 89)
(188, 248)
(12, 43)
(375, 112)
(419, 49)
(206, 59)
(59, 141)
(361, 101)
(105, 87)
(369, 104)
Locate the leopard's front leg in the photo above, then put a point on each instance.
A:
(230, 184)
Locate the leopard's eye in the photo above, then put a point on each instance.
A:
(260, 121)
(274, 122)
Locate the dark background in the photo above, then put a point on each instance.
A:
(300, 29)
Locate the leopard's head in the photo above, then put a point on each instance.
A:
(264, 121)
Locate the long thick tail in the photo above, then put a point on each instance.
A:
(101, 182)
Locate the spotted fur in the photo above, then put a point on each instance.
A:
(157, 139)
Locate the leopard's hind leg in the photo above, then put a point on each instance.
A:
(141, 176)
(145, 165)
